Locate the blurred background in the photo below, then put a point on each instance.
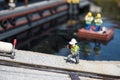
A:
(110, 8)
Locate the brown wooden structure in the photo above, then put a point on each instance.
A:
(82, 33)
(37, 13)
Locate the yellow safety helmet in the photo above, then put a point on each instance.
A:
(75, 1)
(11, 1)
(89, 14)
(69, 1)
(98, 15)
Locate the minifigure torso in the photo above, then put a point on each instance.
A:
(74, 49)
(88, 19)
(98, 21)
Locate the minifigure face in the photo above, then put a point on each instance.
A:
(89, 14)
(11, 1)
(73, 45)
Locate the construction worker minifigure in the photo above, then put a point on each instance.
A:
(73, 9)
(75, 1)
(68, 1)
(74, 51)
(11, 4)
(70, 11)
(88, 20)
(98, 22)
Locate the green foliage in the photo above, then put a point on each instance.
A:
(110, 8)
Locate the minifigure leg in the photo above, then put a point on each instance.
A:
(77, 58)
(69, 57)
(97, 28)
(88, 26)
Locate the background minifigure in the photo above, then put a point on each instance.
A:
(98, 22)
(11, 4)
(88, 20)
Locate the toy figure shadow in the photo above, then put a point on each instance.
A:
(71, 60)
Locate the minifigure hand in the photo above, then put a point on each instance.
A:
(73, 53)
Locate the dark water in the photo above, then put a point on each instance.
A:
(57, 41)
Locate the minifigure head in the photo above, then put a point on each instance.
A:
(89, 14)
(11, 1)
(98, 15)
(69, 1)
(73, 41)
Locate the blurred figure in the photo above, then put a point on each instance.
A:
(73, 9)
(88, 20)
(70, 11)
(74, 51)
(87, 48)
(11, 4)
(97, 48)
(98, 22)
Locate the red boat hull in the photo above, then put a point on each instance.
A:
(89, 34)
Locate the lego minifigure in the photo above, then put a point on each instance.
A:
(69, 1)
(88, 20)
(73, 1)
(98, 22)
(74, 51)
(73, 11)
(11, 4)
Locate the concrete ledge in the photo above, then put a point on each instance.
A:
(14, 73)
(100, 67)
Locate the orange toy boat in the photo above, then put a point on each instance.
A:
(89, 34)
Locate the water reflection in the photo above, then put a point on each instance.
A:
(85, 47)
(90, 49)
(97, 48)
